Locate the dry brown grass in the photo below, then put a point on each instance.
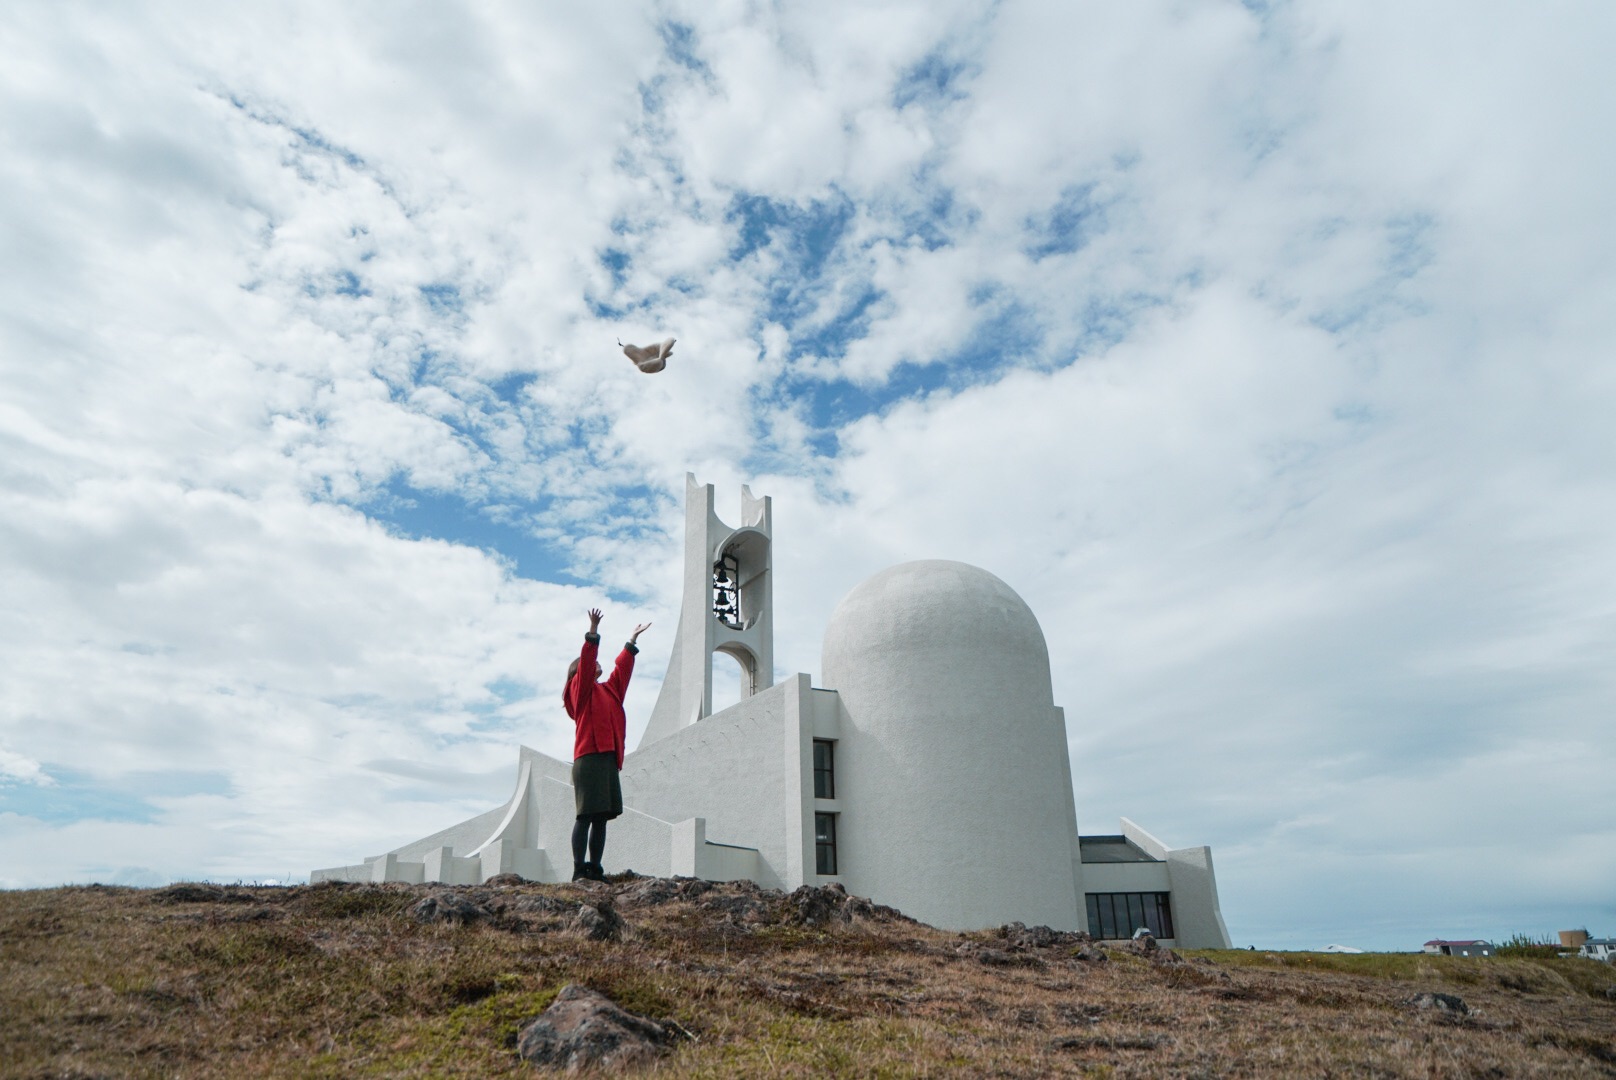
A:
(341, 981)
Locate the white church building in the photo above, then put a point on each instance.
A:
(930, 772)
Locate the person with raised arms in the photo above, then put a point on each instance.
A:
(597, 751)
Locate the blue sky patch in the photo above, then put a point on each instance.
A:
(804, 236)
(348, 284)
(803, 241)
(508, 388)
(78, 796)
(932, 226)
(338, 283)
(443, 298)
(838, 332)
(937, 77)
(616, 261)
(679, 42)
(425, 515)
(1068, 226)
(602, 310)
(1007, 335)
(838, 402)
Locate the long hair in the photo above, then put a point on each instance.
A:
(568, 695)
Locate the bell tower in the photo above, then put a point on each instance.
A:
(728, 607)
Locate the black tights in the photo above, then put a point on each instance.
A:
(590, 829)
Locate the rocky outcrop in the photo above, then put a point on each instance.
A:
(1021, 937)
(584, 1029)
(820, 905)
(598, 920)
(451, 908)
(506, 879)
(192, 892)
(1450, 1004)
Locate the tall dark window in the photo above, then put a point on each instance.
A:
(825, 843)
(824, 769)
(1118, 915)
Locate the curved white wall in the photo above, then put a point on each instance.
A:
(951, 768)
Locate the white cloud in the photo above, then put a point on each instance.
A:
(1259, 347)
(16, 769)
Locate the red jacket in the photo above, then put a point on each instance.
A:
(597, 708)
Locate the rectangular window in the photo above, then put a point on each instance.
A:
(1116, 916)
(825, 843)
(824, 769)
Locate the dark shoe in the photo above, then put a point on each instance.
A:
(594, 872)
(580, 871)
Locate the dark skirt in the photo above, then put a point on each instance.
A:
(595, 786)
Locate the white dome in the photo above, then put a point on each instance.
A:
(939, 619)
(952, 778)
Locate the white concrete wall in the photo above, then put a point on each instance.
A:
(1197, 916)
(952, 768)
(635, 841)
(742, 771)
(694, 856)
(1126, 877)
(462, 838)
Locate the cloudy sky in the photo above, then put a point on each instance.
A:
(1264, 348)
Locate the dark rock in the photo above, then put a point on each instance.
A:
(813, 905)
(1143, 942)
(258, 914)
(988, 955)
(449, 908)
(1443, 1003)
(741, 909)
(539, 904)
(506, 879)
(1110, 1042)
(584, 1029)
(650, 892)
(598, 921)
(1091, 955)
(1018, 936)
(190, 892)
(690, 888)
(822, 905)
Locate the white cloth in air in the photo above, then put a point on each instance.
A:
(649, 358)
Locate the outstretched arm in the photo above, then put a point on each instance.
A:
(587, 658)
(624, 668)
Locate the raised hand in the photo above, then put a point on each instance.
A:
(594, 620)
(638, 630)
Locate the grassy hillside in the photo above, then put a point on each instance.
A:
(346, 980)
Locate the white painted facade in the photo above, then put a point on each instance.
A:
(952, 788)
(1599, 949)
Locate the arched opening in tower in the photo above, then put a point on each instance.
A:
(747, 682)
(729, 681)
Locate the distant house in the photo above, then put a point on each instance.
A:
(1438, 947)
(1599, 948)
